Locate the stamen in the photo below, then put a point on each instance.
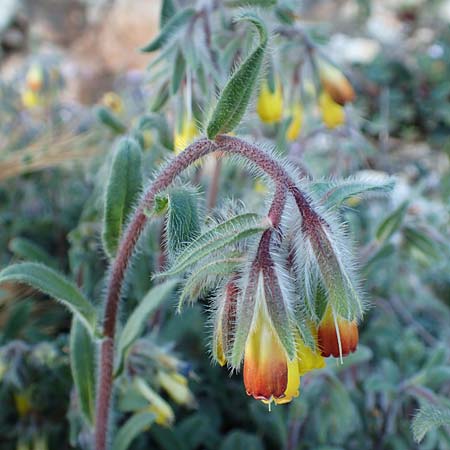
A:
(338, 335)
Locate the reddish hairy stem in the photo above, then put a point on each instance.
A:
(135, 228)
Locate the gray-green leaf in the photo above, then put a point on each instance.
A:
(134, 426)
(123, 188)
(82, 364)
(427, 418)
(227, 233)
(174, 24)
(55, 285)
(235, 97)
(136, 322)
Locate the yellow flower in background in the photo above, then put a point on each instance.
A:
(22, 402)
(335, 83)
(35, 78)
(176, 386)
(293, 131)
(185, 135)
(260, 187)
(333, 114)
(113, 101)
(164, 414)
(31, 99)
(270, 104)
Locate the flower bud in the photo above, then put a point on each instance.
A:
(333, 114)
(113, 101)
(35, 78)
(293, 131)
(335, 83)
(270, 103)
(225, 320)
(176, 386)
(158, 406)
(337, 336)
(31, 99)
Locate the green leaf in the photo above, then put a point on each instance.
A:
(174, 24)
(227, 233)
(421, 242)
(391, 223)
(108, 118)
(122, 191)
(197, 282)
(136, 322)
(183, 224)
(167, 11)
(427, 418)
(240, 440)
(159, 123)
(134, 426)
(55, 285)
(249, 3)
(236, 94)
(179, 70)
(161, 97)
(334, 193)
(26, 249)
(82, 364)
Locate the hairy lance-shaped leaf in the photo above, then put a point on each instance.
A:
(391, 223)
(179, 71)
(168, 10)
(173, 25)
(205, 276)
(108, 118)
(236, 94)
(55, 285)
(227, 233)
(26, 249)
(82, 364)
(333, 193)
(429, 417)
(183, 224)
(136, 322)
(131, 429)
(123, 188)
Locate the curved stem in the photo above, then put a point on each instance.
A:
(135, 228)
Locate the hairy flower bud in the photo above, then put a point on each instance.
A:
(225, 321)
(113, 101)
(35, 78)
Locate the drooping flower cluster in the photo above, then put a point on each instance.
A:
(294, 304)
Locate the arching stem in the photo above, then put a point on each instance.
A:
(195, 151)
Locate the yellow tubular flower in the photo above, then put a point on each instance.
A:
(333, 114)
(293, 131)
(336, 83)
(176, 386)
(185, 135)
(270, 104)
(31, 99)
(23, 405)
(35, 78)
(113, 101)
(308, 359)
(164, 414)
(269, 375)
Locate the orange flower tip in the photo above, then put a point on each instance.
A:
(328, 338)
